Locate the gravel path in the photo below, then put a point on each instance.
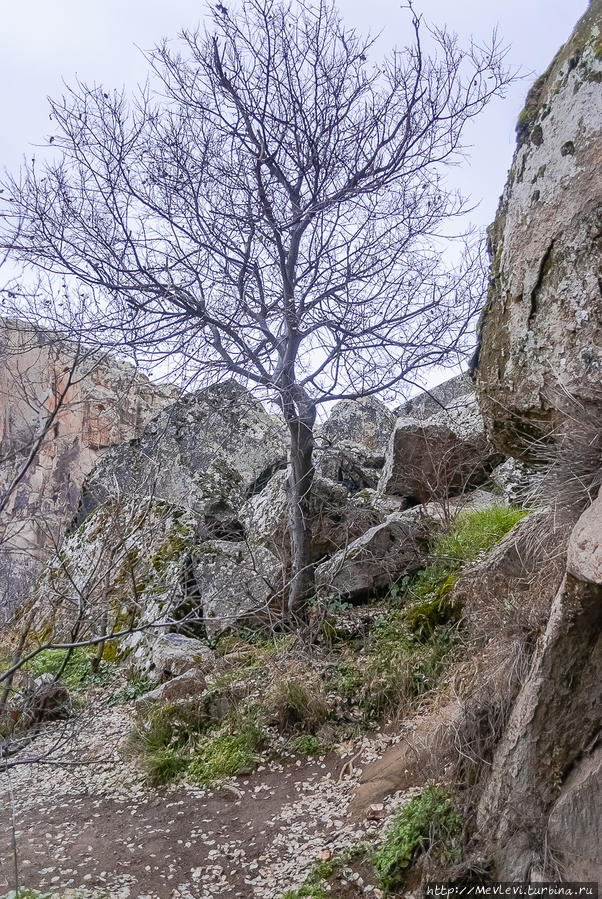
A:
(95, 830)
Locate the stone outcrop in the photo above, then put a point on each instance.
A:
(351, 443)
(541, 340)
(438, 456)
(208, 452)
(541, 331)
(380, 557)
(233, 583)
(574, 832)
(335, 520)
(97, 402)
(124, 567)
(454, 393)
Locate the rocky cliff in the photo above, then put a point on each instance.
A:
(541, 331)
(539, 376)
(90, 404)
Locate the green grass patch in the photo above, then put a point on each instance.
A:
(473, 534)
(307, 745)
(399, 666)
(134, 689)
(225, 753)
(315, 885)
(428, 820)
(165, 739)
(77, 672)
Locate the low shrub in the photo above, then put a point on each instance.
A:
(399, 666)
(295, 699)
(165, 739)
(428, 820)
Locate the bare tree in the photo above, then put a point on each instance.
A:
(275, 208)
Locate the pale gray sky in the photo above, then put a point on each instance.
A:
(44, 41)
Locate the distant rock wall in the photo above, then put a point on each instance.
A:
(106, 403)
(541, 331)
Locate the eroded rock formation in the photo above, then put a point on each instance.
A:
(541, 331)
(97, 402)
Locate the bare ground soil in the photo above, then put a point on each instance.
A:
(95, 829)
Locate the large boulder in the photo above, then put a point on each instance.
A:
(124, 568)
(174, 654)
(439, 456)
(207, 452)
(351, 443)
(541, 330)
(451, 394)
(380, 557)
(234, 582)
(540, 343)
(335, 520)
(105, 402)
(575, 824)
(183, 689)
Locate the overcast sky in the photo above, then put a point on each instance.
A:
(44, 41)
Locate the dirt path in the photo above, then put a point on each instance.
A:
(97, 831)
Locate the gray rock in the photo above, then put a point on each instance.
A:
(107, 403)
(206, 452)
(515, 479)
(352, 441)
(378, 558)
(455, 392)
(124, 566)
(584, 555)
(335, 520)
(234, 582)
(438, 457)
(174, 654)
(541, 331)
(185, 687)
(575, 824)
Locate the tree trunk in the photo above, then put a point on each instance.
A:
(300, 481)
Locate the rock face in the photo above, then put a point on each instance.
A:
(438, 456)
(352, 443)
(541, 338)
(124, 567)
(207, 452)
(541, 331)
(105, 403)
(374, 561)
(575, 823)
(335, 520)
(233, 582)
(452, 394)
